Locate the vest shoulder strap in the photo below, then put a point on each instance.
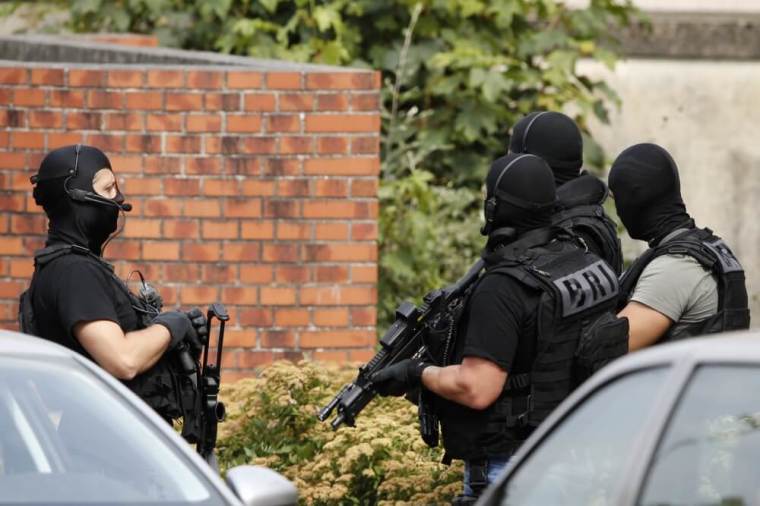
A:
(46, 255)
(701, 244)
(582, 211)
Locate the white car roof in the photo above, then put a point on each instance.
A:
(18, 343)
(739, 346)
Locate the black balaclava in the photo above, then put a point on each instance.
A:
(63, 187)
(555, 138)
(520, 193)
(647, 191)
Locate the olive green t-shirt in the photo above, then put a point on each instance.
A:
(678, 287)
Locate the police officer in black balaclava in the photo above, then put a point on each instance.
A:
(553, 137)
(689, 282)
(520, 195)
(647, 191)
(77, 213)
(76, 300)
(556, 138)
(482, 390)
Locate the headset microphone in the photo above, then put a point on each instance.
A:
(85, 196)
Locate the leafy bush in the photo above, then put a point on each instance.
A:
(272, 421)
(457, 74)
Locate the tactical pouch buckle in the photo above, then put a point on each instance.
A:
(677, 250)
(521, 420)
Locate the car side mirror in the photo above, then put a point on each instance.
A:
(261, 486)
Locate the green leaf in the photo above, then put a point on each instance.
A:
(331, 53)
(606, 56)
(270, 5)
(474, 121)
(493, 86)
(326, 18)
(477, 77)
(471, 7)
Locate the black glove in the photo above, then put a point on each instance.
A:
(180, 327)
(198, 319)
(398, 378)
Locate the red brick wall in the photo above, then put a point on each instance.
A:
(257, 189)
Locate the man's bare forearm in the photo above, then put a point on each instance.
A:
(123, 355)
(450, 383)
(475, 383)
(147, 346)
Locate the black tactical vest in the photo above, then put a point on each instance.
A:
(715, 257)
(580, 211)
(578, 294)
(161, 387)
(599, 232)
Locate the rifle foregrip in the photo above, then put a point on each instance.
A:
(372, 365)
(186, 361)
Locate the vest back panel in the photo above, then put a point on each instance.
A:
(714, 256)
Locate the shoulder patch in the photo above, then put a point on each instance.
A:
(586, 287)
(726, 257)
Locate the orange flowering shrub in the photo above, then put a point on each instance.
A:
(272, 422)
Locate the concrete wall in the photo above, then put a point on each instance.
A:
(705, 113)
(690, 84)
(252, 182)
(737, 6)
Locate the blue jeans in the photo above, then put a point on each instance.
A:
(495, 467)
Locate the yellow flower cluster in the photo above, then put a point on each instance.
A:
(272, 422)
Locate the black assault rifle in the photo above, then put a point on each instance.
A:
(409, 336)
(201, 407)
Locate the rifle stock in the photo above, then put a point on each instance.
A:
(405, 338)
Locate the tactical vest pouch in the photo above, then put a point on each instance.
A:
(158, 388)
(26, 322)
(442, 332)
(601, 342)
(736, 319)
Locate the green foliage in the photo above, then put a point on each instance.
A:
(272, 422)
(457, 74)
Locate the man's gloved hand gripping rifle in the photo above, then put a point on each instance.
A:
(198, 383)
(424, 333)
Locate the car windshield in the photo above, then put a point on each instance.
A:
(65, 438)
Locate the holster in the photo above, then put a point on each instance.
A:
(478, 476)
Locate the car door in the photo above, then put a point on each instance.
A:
(589, 456)
(710, 451)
